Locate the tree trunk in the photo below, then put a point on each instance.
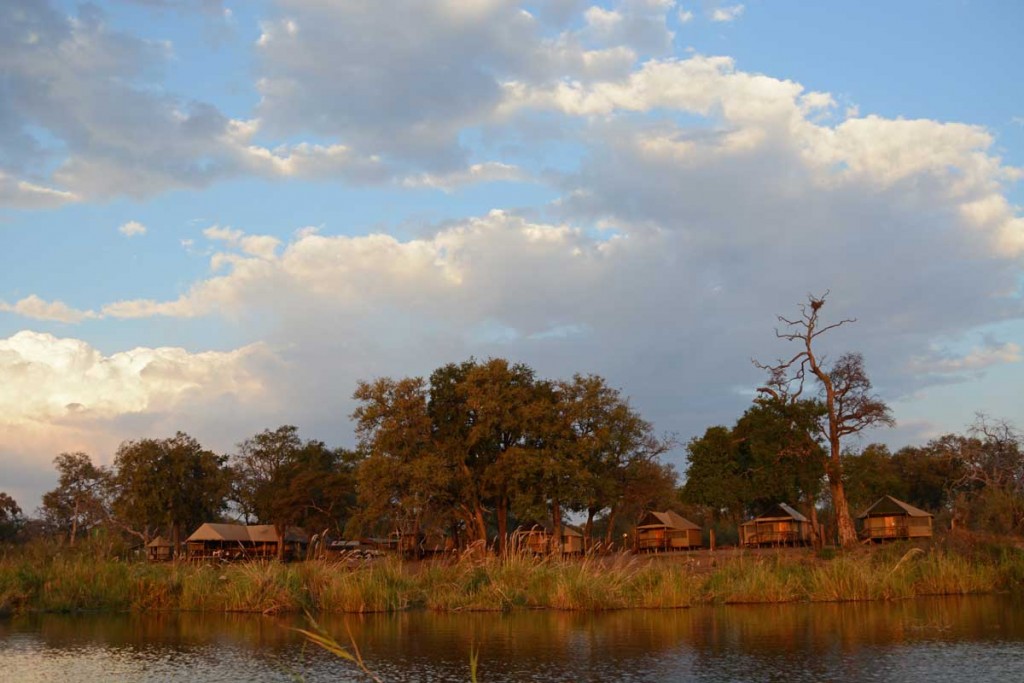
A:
(588, 530)
(481, 525)
(556, 526)
(502, 525)
(281, 529)
(175, 540)
(844, 523)
(816, 539)
(609, 534)
(74, 524)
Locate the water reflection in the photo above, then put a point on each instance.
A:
(920, 640)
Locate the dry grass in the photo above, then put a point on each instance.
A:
(80, 581)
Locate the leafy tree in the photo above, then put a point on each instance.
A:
(715, 477)
(610, 444)
(511, 414)
(78, 504)
(871, 474)
(404, 481)
(845, 390)
(282, 480)
(171, 483)
(10, 518)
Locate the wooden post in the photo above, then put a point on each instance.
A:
(712, 540)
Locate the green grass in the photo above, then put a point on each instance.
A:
(66, 580)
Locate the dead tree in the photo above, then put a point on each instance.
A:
(845, 388)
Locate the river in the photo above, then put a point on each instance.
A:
(949, 639)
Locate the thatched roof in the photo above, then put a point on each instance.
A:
(669, 519)
(159, 542)
(240, 533)
(780, 511)
(567, 529)
(888, 506)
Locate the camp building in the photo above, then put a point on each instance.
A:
(664, 531)
(159, 550)
(539, 538)
(890, 518)
(241, 542)
(780, 525)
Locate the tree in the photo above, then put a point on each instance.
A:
(871, 474)
(771, 455)
(78, 503)
(167, 483)
(845, 389)
(10, 518)
(608, 443)
(404, 480)
(282, 480)
(715, 476)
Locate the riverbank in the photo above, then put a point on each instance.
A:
(79, 581)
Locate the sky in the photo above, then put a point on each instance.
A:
(217, 216)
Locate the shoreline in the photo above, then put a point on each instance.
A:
(80, 582)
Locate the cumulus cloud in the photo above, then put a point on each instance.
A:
(726, 13)
(37, 308)
(132, 228)
(978, 358)
(475, 173)
(64, 394)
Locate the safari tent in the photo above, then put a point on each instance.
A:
(890, 518)
(539, 538)
(780, 525)
(241, 542)
(664, 531)
(159, 550)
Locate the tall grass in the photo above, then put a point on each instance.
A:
(78, 580)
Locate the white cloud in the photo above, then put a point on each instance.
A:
(37, 308)
(48, 379)
(685, 16)
(978, 358)
(727, 13)
(476, 173)
(132, 228)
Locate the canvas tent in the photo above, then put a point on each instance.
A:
(663, 531)
(238, 541)
(539, 538)
(891, 518)
(780, 525)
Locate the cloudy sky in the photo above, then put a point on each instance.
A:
(218, 215)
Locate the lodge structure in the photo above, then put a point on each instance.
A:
(889, 518)
(540, 539)
(159, 550)
(665, 531)
(780, 525)
(240, 542)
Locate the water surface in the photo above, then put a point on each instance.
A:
(961, 639)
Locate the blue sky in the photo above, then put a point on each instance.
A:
(219, 215)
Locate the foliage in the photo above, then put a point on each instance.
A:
(482, 443)
(167, 483)
(79, 503)
(282, 480)
(844, 390)
(10, 518)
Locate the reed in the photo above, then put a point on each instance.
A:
(41, 580)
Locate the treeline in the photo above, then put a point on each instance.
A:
(771, 455)
(471, 452)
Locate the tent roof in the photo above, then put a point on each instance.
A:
(567, 529)
(887, 505)
(159, 542)
(780, 511)
(668, 518)
(258, 533)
